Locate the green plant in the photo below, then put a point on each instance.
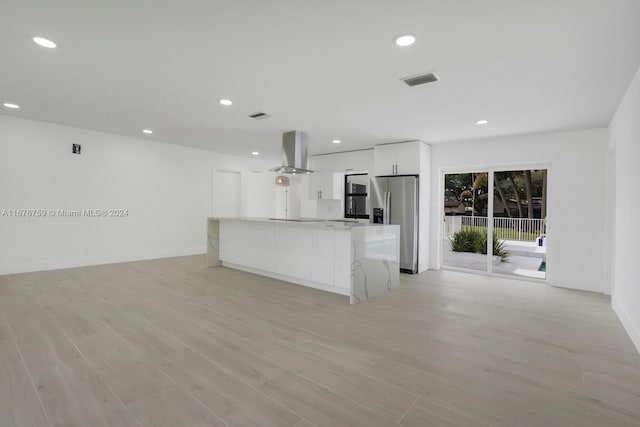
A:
(498, 247)
(464, 240)
(475, 240)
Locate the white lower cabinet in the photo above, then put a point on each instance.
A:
(320, 255)
(260, 240)
(292, 251)
(232, 233)
(323, 256)
(289, 249)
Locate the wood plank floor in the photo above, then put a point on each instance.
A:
(172, 343)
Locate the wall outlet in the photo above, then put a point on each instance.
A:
(76, 148)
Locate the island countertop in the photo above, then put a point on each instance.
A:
(347, 257)
(338, 224)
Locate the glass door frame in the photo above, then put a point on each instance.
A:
(490, 170)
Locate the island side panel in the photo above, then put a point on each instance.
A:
(295, 252)
(342, 255)
(213, 242)
(375, 261)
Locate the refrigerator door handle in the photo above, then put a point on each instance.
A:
(384, 208)
(387, 206)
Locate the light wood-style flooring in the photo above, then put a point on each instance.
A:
(172, 343)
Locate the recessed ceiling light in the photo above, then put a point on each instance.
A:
(336, 141)
(406, 40)
(10, 105)
(255, 153)
(147, 131)
(482, 122)
(226, 102)
(44, 42)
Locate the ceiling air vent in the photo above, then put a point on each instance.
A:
(421, 79)
(259, 116)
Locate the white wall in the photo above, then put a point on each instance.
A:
(226, 193)
(624, 137)
(261, 193)
(167, 190)
(424, 231)
(288, 199)
(576, 195)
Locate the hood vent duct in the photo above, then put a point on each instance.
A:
(421, 79)
(294, 153)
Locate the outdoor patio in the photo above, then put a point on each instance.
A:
(526, 258)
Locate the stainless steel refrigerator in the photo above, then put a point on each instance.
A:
(394, 200)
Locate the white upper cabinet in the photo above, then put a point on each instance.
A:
(397, 159)
(353, 161)
(408, 158)
(321, 182)
(327, 181)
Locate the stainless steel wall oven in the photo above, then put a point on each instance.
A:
(356, 196)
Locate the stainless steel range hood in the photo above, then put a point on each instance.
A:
(294, 153)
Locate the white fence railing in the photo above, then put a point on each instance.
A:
(523, 229)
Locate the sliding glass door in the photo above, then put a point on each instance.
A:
(465, 220)
(495, 222)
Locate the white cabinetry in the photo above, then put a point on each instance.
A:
(410, 158)
(329, 169)
(233, 233)
(322, 184)
(353, 161)
(309, 254)
(397, 159)
(323, 250)
(360, 261)
(293, 251)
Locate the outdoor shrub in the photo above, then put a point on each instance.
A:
(464, 240)
(498, 247)
(471, 240)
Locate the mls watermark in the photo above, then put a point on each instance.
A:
(64, 213)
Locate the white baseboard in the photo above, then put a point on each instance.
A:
(96, 260)
(632, 329)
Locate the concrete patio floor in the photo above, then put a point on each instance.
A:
(524, 259)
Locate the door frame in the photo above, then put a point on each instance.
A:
(242, 189)
(491, 169)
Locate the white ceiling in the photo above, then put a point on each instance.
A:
(328, 68)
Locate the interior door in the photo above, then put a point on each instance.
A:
(226, 193)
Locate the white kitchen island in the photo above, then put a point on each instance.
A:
(348, 258)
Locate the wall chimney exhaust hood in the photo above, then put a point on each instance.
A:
(294, 153)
